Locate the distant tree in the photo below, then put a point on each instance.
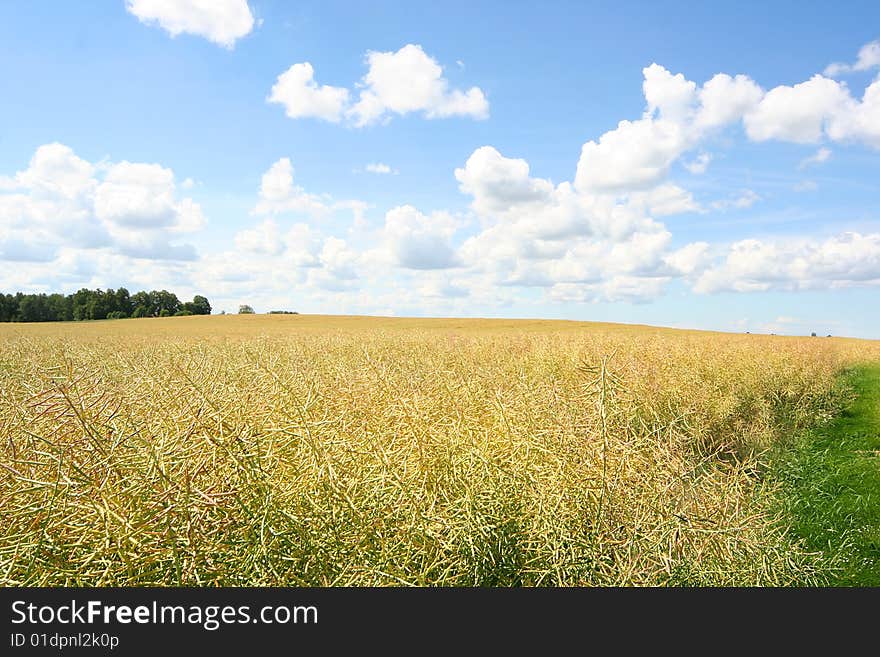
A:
(33, 308)
(163, 300)
(182, 313)
(140, 300)
(122, 302)
(81, 300)
(813, 334)
(8, 307)
(203, 307)
(245, 310)
(60, 308)
(198, 306)
(85, 304)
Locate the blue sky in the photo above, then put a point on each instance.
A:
(153, 144)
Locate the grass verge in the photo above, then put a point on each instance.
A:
(831, 486)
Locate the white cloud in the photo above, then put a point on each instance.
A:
(410, 80)
(403, 82)
(637, 154)
(265, 238)
(418, 241)
(670, 96)
(725, 100)
(798, 113)
(690, 258)
(379, 168)
(574, 244)
(868, 58)
(302, 97)
(221, 21)
(278, 194)
(796, 264)
(699, 165)
(125, 207)
(134, 195)
(499, 184)
(859, 121)
(665, 199)
(819, 157)
(746, 199)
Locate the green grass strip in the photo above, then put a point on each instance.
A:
(831, 486)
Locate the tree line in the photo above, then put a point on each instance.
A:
(87, 304)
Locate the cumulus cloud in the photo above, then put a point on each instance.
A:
(799, 113)
(637, 154)
(278, 194)
(126, 207)
(868, 58)
(410, 80)
(690, 258)
(302, 97)
(796, 264)
(499, 184)
(665, 199)
(220, 21)
(262, 239)
(573, 244)
(418, 241)
(726, 99)
(679, 115)
(396, 83)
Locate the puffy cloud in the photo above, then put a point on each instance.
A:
(637, 154)
(859, 121)
(670, 96)
(338, 266)
(725, 100)
(793, 264)
(278, 194)
(55, 172)
(690, 258)
(798, 113)
(402, 82)
(418, 241)
(127, 207)
(500, 184)
(302, 97)
(265, 238)
(137, 195)
(221, 21)
(678, 116)
(410, 80)
(868, 58)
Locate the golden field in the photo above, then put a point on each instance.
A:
(314, 450)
